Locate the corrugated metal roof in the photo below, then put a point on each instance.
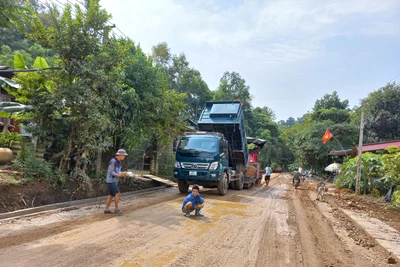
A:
(379, 146)
(366, 148)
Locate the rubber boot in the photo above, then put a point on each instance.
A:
(197, 213)
(187, 213)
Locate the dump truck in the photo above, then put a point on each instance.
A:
(216, 156)
(252, 175)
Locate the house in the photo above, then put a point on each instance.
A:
(371, 147)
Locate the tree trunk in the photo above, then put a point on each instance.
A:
(157, 158)
(152, 164)
(98, 163)
(65, 158)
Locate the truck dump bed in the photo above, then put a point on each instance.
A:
(226, 117)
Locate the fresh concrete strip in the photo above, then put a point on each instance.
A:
(386, 236)
(160, 180)
(45, 208)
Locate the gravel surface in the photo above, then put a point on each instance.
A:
(273, 225)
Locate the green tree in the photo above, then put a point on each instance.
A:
(382, 116)
(330, 107)
(304, 140)
(14, 39)
(161, 55)
(262, 120)
(330, 101)
(6, 56)
(261, 125)
(182, 79)
(231, 87)
(390, 170)
(13, 14)
(73, 104)
(149, 110)
(371, 163)
(289, 122)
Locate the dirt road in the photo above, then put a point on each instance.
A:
(271, 225)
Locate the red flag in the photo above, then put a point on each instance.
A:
(327, 136)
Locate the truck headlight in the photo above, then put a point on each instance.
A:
(214, 166)
(177, 164)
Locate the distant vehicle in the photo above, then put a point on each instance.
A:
(217, 155)
(253, 175)
(296, 182)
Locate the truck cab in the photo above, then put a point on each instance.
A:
(200, 158)
(215, 156)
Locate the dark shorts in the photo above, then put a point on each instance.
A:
(113, 189)
(267, 177)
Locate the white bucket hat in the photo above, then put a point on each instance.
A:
(121, 152)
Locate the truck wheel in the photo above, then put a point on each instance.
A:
(247, 186)
(239, 183)
(183, 186)
(222, 186)
(232, 185)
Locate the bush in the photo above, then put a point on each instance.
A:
(371, 164)
(375, 193)
(7, 139)
(396, 199)
(390, 170)
(35, 168)
(166, 165)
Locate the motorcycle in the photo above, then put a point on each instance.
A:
(296, 182)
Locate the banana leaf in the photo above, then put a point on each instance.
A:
(19, 63)
(40, 63)
(9, 82)
(7, 108)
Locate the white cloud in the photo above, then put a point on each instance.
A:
(259, 39)
(205, 23)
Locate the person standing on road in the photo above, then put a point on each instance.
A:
(268, 171)
(113, 175)
(193, 202)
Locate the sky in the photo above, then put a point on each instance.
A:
(290, 52)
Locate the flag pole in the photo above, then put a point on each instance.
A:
(340, 146)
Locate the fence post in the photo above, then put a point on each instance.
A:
(143, 155)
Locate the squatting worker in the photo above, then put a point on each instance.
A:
(193, 202)
(113, 175)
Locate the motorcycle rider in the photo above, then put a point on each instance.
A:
(296, 174)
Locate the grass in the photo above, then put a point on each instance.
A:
(9, 179)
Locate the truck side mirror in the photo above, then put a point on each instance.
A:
(176, 143)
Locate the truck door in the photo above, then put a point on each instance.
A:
(223, 151)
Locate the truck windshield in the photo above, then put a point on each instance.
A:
(197, 145)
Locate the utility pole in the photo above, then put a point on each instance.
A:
(360, 144)
(106, 32)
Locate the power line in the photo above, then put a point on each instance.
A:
(121, 32)
(395, 77)
(57, 3)
(63, 6)
(80, 2)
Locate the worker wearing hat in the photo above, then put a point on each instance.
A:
(113, 175)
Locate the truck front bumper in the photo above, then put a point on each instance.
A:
(197, 175)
